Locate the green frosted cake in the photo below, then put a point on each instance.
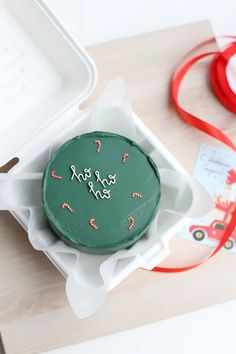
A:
(100, 192)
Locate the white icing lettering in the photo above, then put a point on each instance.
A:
(112, 179)
(104, 181)
(84, 176)
(98, 194)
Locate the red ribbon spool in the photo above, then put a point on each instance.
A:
(219, 79)
(227, 97)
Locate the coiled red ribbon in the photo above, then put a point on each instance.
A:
(227, 97)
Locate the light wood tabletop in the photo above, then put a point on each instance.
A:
(34, 313)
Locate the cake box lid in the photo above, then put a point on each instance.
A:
(44, 73)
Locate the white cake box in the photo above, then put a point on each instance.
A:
(44, 77)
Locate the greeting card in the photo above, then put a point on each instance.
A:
(216, 171)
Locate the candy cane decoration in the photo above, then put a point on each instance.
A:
(67, 206)
(99, 144)
(131, 220)
(124, 157)
(92, 224)
(136, 194)
(54, 175)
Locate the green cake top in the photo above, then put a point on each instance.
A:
(100, 192)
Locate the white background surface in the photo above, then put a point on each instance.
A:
(210, 331)
(93, 21)
(90, 22)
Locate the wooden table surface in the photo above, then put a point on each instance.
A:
(34, 312)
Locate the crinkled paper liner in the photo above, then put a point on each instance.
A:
(91, 276)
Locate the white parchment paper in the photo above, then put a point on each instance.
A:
(91, 276)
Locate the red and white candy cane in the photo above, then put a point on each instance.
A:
(92, 223)
(99, 144)
(67, 206)
(136, 195)
(132, 222)
(124, 157)
(54, 175)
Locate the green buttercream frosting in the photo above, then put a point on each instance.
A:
(100, 192)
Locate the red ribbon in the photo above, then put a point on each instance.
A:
(227, 97)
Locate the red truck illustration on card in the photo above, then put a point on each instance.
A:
(213, 232)
(224, 208)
